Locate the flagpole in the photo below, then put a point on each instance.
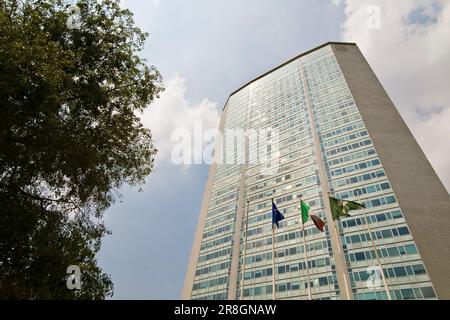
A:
(273, 263)
(374, 247)
(305, 251)
(337, 236)
(273, 260)
(245, 253)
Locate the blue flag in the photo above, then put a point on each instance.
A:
(276, 215)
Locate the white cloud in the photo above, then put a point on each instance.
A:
(173, 111)
(433, 134)
(410, 55)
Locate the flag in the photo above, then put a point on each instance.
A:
(340, 208)
(318, 222)
(276, 215)
(304, 209)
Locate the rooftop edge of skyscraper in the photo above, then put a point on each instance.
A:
(287, 62)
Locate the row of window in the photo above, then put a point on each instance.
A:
(298, 122)
(316, 263)
(229, 188)
(284, 168)
(294, 121)
(357, 192)
(215, 296)
(337, 132)
(356, 145)
(350, 158)
(343, 98)
(404, 271)
(380, 217)
(272, 181)
(212, 268)
(328, 100)
(343, 139)
(317, 56)
(261, 177)
(379, 202)
(256, 274)
(296, 285)
(226, 177)
(334, 108)
(328, 88)
(335, 113)
(288, 286)
(319, 80)
(317, 69)
(266, 162)
(235, 119)
(339, 122)
(377, 235)
(302, 123)
(322, 71)
(218, 220)
(298, 119)
(356, 167)
(256, 161)
(222, 229)
(303, 183)
(215, 242)
(281, 238)
(384, 252)
(288, 109)
(222, 209)
(258, 145)
(391, 272)
(359, 178)
(314, 246)
(214, 255)
(209, 283)
(266, 205)
(398, 294)
(222, 178)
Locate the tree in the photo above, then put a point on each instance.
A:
(70, 136)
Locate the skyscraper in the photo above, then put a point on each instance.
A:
(339, 134)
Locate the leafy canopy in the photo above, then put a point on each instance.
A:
(70, 136)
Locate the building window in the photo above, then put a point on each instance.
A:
(428, 292)
(408, 294)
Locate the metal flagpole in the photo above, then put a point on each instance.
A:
(273, 258)
(386, 287)
(245, 253)
(273, 262)
(305, 250)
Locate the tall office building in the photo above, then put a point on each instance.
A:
(338, 133)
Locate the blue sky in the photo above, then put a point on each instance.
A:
(207, 49)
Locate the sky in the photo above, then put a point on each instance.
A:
(207, 49)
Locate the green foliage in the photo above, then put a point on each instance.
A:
(70, 136)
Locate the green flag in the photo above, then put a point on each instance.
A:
(340, 208)
(304, 209)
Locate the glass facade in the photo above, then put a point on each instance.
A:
(310, 105)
